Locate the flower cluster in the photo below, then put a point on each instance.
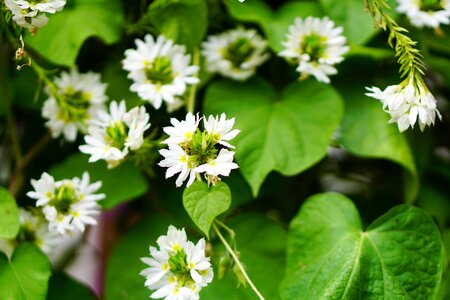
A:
(72, 102)
(179, 269)
(407, 103)
(426, 13)
(32, 14)
(67, 204)
(235, 53)
(193, 151)
(160, 71)
(111, 136)
(316, 45)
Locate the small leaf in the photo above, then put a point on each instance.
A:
(185, 22)
(9, 215)
(287, 132)
(61, 39)
(329, 256)
(204, 204)
(25, 276)
(120, 184)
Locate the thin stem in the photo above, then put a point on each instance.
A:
(236, 260)
(190, 105)
(230, 231)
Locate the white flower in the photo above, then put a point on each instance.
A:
(407, 103)
(112, 135)
(426, 13)
(235, 53)
(316, 45)
(178, 269)
(181, 131)
(178, 161)
(221, 165)
(220, 129)
(160, 70)
(78, 98)
(31, 14)
(67, 204)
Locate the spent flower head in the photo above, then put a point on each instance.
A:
(68, 204)
(426, 13)
(179, 269)
(111, 136)
(193, 151)
(316, 45)
(160, 71)
(73, 101)
(235, 53)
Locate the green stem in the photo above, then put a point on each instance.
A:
(237, 261)
(190, 105)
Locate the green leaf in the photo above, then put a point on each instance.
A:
(62, 286)
(261, 243)
(9, 215)
(25, 276)
(120, 184)
(287, 132)
(329, 256)
(204, 204)
(378, 139)
(351, 15)
(122, 280)
(61, 39)
(183, 21)
(442, 66)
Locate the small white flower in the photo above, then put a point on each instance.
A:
(78, 98)
(160, 70)
(235, 53)
(407, 103)
(31, 14)
(112, 135)
(221, 129)
(178, 269)
(426, 13)
(178, 161)
(316, 45)
(181, 131)
(67, 204)
(221, 165)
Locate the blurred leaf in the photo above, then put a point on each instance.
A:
(25, 276)
(204, 203)
(61, 39)
(185, 22)
(9, 215)
(120, 184)
(351, 15)
(365, 132)
(62, 286)
(441, 66)
(439, 42)
(435, 203)
(261, 243)
(329, 255)
(287, 132)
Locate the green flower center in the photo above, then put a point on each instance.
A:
(74, 105)
(238, 51)
(64, 197)
(116, 135)
(180, 268)
(201, 149)
(431, 5)
(314, 45)
(160, 71)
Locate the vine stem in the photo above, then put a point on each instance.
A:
(190, 105)
(237, 261)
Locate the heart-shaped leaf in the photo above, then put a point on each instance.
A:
(287, 132)
(330, 256)
(204, 203)
(9, 215)
(25, 276)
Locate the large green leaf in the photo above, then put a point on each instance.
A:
(351, 15)
(204, 204)
(330, 256)
(25, 276)
(62, 286)
(378, 139)
(287, 132)
(9, 215)
(61, 39)
(120, 184)
(185, 22)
